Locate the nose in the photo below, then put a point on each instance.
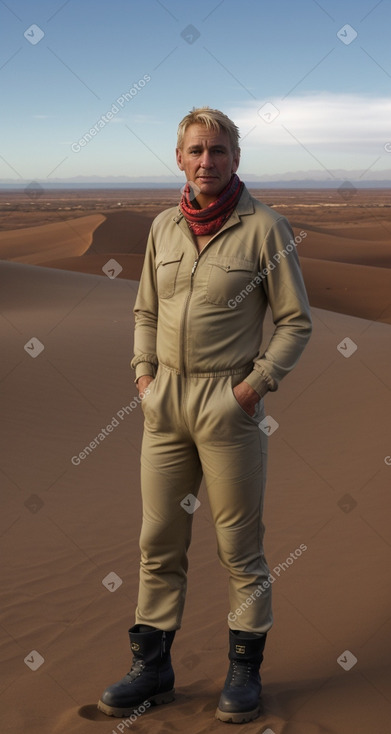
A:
(206, 159)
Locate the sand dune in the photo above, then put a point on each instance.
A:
(65, 526)
(125, 232)
(353, 289)
(365, 250)
(35, 245)
(372, 231)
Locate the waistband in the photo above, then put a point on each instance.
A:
(244, 370)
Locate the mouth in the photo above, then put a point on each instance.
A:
(207, 178)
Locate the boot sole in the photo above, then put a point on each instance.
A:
(237, 718)
(129, 710)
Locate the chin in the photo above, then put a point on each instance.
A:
(215, 184)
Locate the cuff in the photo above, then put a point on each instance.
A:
(144, 368)
(260, 383)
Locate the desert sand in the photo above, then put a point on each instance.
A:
(69, 522)
(35, 245)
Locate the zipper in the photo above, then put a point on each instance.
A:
(185, 310)
(182, 360)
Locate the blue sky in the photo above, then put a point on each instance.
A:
(327, 97)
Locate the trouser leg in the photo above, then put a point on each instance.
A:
(234, 465)
(170, 470)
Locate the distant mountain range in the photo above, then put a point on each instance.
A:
(312, 179)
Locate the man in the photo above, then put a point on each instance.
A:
(212, 266)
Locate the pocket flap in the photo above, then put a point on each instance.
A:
(164, 258)
(232, 263)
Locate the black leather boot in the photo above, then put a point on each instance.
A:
(151, 677)
(240, 698)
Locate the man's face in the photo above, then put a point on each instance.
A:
(207, 159)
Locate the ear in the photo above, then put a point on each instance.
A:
(179, 159)
(236, 161)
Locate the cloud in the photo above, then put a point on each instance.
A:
(324, 120)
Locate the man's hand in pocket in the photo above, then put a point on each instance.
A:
(247, 397)
(142, 384)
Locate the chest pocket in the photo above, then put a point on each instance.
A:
(228, 276)
(167, 266)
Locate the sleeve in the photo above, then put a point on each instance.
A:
(283, 284)
(145, 361)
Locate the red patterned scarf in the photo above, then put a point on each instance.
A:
(210, 219)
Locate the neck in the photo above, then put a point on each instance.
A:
(214, 210)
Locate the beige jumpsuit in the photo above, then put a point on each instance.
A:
(199, 332)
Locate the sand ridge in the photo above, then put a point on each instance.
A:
(36, 245)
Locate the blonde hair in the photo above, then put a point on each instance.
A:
(211, 119)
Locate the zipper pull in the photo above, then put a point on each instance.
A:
(194, 268)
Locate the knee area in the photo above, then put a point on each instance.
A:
(243, 559)
(161, 536)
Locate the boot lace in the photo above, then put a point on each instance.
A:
(136, 669)
(240, 673)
